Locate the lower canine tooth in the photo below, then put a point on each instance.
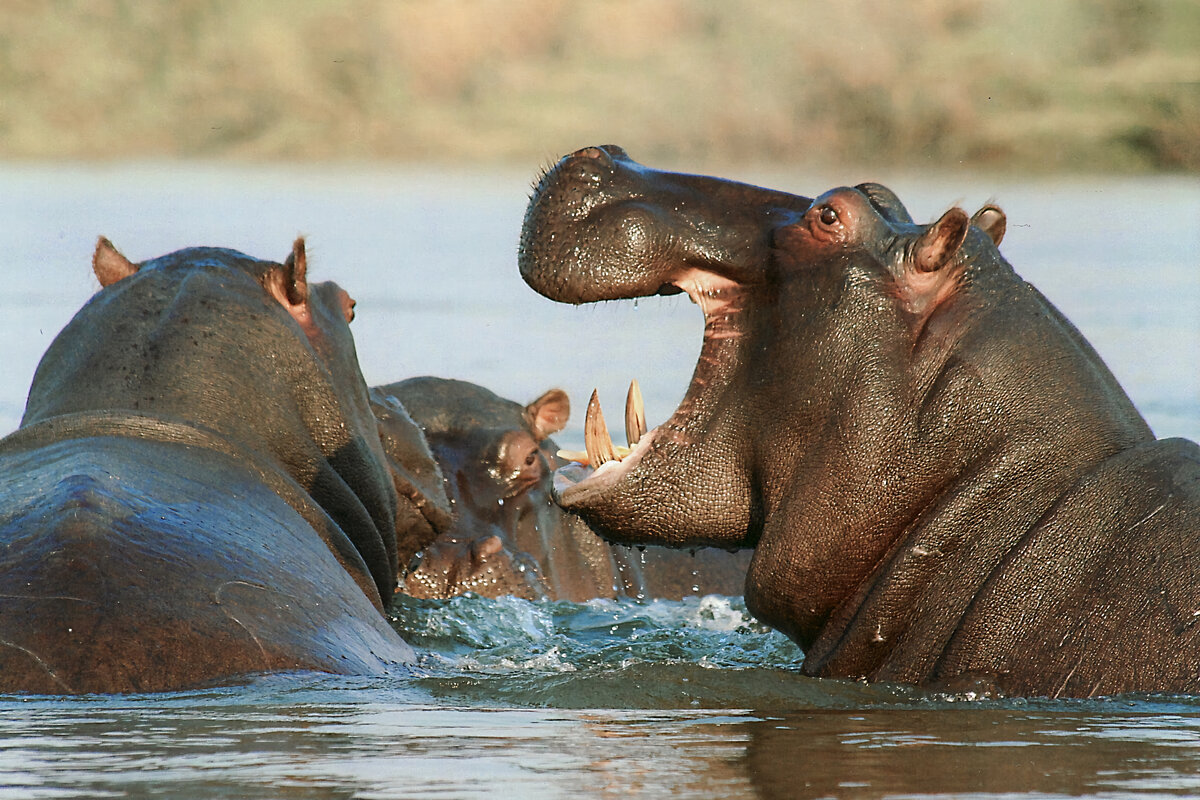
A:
(595, 434)
(635, 414)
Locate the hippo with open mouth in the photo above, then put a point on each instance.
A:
(943, 483)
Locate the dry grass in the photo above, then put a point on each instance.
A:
(1110, 85)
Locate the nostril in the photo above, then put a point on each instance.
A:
(594, 153)
(483, 548)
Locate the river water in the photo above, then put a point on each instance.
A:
(519, 699)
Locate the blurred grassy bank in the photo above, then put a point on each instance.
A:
(1029, 85)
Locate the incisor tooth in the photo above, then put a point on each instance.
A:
(635, 414)
(595, 434)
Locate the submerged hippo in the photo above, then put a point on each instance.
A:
(494, 457)
(944, 484)
(509, 537)
(197, 490)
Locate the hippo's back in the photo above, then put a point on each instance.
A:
(134, 565)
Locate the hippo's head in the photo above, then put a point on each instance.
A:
(508, 536)
(797, 295)
(248, 347)
(474, 550)
(899, 425)
(601, 226)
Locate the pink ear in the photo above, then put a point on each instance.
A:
(549, 413)
(287, 283)
(941, 241)
(991, 220)
(109, 265)
(926, 279)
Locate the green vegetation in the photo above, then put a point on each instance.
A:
(1032, 85)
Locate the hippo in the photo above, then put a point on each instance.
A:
(417, 476)
(197, 491)
(509, 537)
(943, 483)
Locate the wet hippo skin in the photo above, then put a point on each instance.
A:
(943, 483)
(509, 537)
(490, 452)
(197, 490)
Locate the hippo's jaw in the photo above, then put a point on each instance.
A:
(579, 484)
(601, 227)
(684, 482)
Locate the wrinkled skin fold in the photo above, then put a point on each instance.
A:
(197, 491)
(943, 483)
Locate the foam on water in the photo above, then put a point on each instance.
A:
(701, 652)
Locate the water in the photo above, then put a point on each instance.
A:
(519, 699)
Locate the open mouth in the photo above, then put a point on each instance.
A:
(600, 226)
(603, 463)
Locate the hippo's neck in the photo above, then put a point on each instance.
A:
(886, 539)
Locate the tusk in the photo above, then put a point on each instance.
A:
(635, 414)
(595, 435)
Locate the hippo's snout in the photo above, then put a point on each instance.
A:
(601, 226)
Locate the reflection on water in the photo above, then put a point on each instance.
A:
(877, 753)
(519, 699)
(476, 725)
(298, 747)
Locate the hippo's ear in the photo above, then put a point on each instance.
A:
(548, 414)
(940, 241)
(288, 284)
(991, 220)
(926, 278)
(296, 274)
(109, 265)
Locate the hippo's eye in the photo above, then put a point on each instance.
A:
(829, 215)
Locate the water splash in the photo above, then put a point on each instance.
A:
(701, 651)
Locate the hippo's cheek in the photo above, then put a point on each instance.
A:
(800, 244)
